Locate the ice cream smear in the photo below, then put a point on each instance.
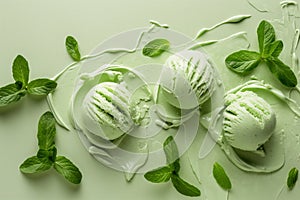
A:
(188, 79)
(249, 121)
(106, 110)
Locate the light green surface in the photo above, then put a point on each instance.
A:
(37, 30)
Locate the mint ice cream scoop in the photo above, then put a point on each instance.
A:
(106, 110)
(249, 120)
(188, 79)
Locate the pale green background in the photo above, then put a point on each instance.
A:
(37, 30)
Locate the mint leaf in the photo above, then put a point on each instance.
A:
(171, 150)
(156, 47)
(41, 86)
(162, 174)
(72, 48)
(35, 165)
(265, 34)
(243, 62)
(11, 93)
(183, 187)
(66, 168)
(20, 70)
(46, 131)
(282, 72)
(221, 176)
(273, 49)
(292, 178)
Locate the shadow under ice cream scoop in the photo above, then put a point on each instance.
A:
(249, 121)
(107, 110)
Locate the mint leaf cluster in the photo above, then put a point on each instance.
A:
(244, 61)
(46, 156)
(15, 91)
(171, 171)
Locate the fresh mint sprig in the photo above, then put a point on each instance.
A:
(46, 157)
(15, 91)
(156, 47)
(244, 61)
(72, 48)
(171, 171)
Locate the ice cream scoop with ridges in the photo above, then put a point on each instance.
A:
(106, 106)
(249, 120)
(196, 69)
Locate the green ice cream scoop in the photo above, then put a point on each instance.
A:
(249, 120)
(106, 110)
(188, 79)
